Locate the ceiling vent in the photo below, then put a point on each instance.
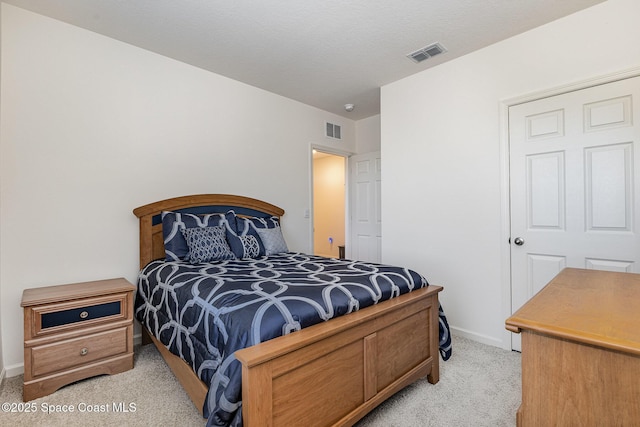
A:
(333, 131)
(427, 52)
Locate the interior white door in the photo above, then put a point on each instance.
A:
(574, 185)
(366, 221)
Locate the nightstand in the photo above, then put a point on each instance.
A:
(76, 331)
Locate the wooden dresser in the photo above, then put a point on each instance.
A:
(581, 351)
(76, 331)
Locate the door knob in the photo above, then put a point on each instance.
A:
(518, 241)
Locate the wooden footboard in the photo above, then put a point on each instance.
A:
(336, 372)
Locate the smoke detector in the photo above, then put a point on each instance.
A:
(426, 52)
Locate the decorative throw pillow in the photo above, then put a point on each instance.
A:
(207, 244)
(246, 227)
(250, 246)
(273, 240)
(175, 246)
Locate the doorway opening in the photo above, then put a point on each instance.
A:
(329, 206)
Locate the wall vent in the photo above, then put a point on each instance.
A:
(427, 52)
(333, 131)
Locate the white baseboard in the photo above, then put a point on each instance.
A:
(2, 373)
(14, 370)
(474, 336)
(137, 339)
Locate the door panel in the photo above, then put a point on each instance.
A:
(573, 171)
(545, 192)
(366, 227)
(608, 187)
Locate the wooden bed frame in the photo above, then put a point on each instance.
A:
(332, 373)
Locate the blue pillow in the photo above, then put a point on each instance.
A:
(175, 245)
(207, 244)
(240, 238)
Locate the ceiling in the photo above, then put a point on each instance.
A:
(323, 53)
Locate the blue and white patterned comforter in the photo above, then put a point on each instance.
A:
(205, 312)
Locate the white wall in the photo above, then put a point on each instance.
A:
(92, 128)
(443, 179)
(368, 135)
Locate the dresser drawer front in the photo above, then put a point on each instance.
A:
(49, 358)
(81, 314)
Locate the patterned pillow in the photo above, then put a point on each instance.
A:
(250, 246)
(175, 246)
(272, 240)
(207, 244)
(239, 238)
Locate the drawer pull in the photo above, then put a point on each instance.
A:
(84, 351)
(84, 314)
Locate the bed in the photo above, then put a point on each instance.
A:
(382, 335)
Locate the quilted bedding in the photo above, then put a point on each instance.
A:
(205, 312)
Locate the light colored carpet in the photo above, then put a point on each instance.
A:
(479, 386)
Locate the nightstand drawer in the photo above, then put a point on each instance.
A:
(51, 318)
(62, 355)
(81, 314)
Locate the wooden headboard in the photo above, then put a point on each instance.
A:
(151, 241)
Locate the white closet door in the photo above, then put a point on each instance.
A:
(366, 222)
(574, 177)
